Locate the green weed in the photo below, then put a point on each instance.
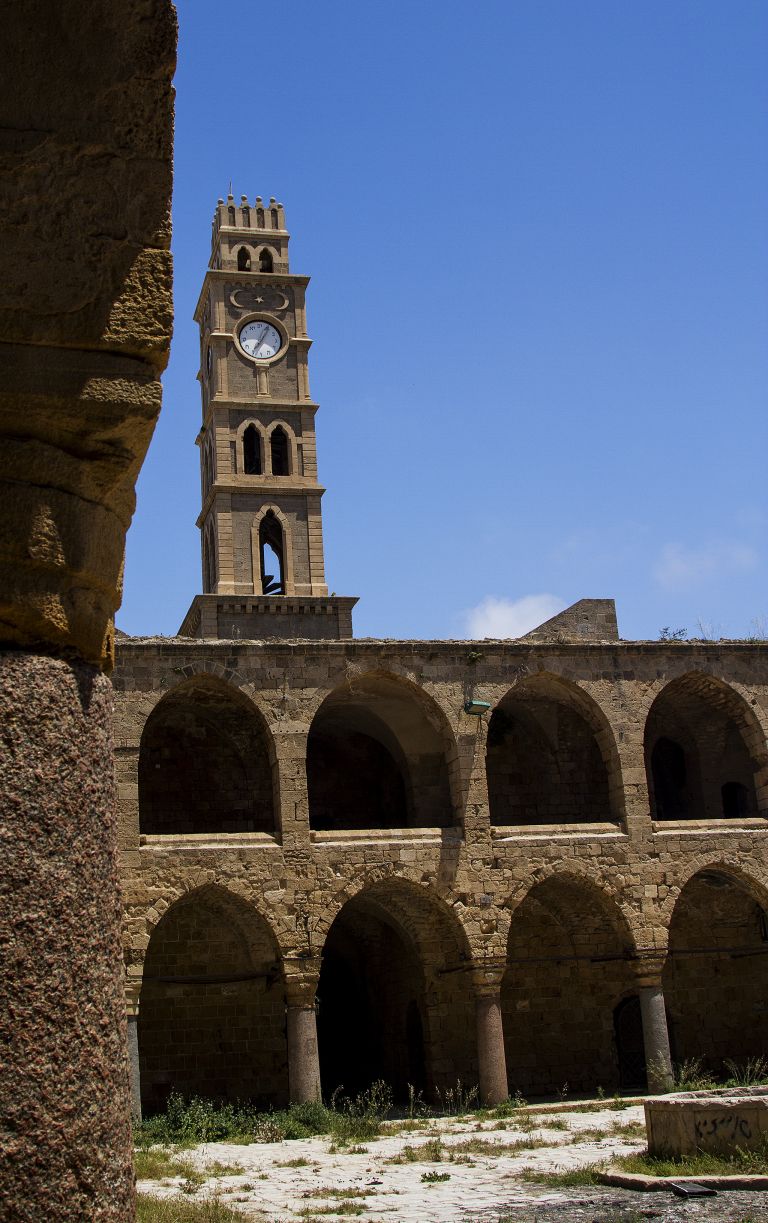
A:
(172, 1210)
(738, 1163)
(572, 1178)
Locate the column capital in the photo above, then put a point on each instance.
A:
(648, 968)
(301, 983)
(487, 977)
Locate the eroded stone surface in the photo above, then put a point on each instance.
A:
(64, 1122)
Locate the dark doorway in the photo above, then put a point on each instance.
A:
(630, 1050)
(669, 772)
(369, 1021)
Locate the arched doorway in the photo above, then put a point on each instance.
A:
(377, 758)
(716, 974)
(705, 752)
(551, 758)
(205, 763)
(393, 996)
(212, 1009)
(568, 967)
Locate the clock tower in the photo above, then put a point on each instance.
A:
(260, 521)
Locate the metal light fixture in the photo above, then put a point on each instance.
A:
(478, 708)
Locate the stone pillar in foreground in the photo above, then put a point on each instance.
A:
(658, 1058)
(303, 1052)
(491, 1057)
(85, 323)
(63, 1074)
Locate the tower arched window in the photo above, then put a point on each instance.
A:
(265, 261)
(272, 555)
(246, 216)
(243, 260)
(231, 213)
(278, 443)
(259, 218)
(209, 561)
(275, 224)
(252, 451)
(207, 470)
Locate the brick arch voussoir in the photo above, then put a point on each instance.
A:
(628, 920)
(430, 707)
(229, 678)
(241, 894)
(402, 880)
(751, 877)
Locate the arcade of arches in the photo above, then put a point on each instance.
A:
(395, 995)
(598, 917)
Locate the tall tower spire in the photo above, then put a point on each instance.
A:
(260, 520)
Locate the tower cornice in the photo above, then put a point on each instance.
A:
(216, 275)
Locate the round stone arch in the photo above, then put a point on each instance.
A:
(394, 1001)
(207, 761)
(706, 754)
(212, 1003)
(386, 734)
(716, 970)
(552, 756)
(570, 952)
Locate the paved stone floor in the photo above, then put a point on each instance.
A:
(294, 1182)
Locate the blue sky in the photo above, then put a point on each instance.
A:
(537, 237)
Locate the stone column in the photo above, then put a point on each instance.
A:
(134, 1071)
(491, 1057)
(303, 1058)
(658, 1059)
(303, 1054)
(85, 323)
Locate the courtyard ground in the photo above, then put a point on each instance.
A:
(476, 1170)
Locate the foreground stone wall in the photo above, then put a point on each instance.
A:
(556, 925)
(85, 322)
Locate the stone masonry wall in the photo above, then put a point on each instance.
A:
(605, 893)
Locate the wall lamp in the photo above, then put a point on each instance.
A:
(478, 708)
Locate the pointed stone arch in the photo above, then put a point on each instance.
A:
(706, 755)
(381, 754)
(569, 964)
(212, 1003)
(394, 1000)
(552, 756)
(207, 762)
(290, 436)
(716, 971)
(287, 556)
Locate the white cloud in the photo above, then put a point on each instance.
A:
(679, 567)
(494, 617)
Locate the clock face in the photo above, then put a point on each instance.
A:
(260, 339)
